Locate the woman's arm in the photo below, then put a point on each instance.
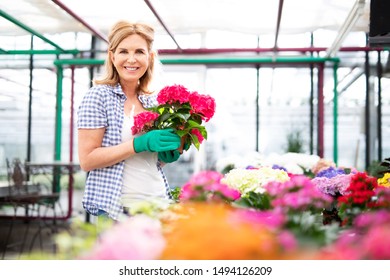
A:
(91, 153)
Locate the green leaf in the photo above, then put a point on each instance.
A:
(175, 192)
(197, 118)
(204, 134)
(163, 117)
(194, 124)
(254, 200)
(184, 116)
(195, 141)
(181, 133)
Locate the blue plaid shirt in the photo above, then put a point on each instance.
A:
(103, 106)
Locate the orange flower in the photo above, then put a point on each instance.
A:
(210, 232)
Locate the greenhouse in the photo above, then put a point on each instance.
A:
(290, 118)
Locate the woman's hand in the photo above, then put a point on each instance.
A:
(157, 141)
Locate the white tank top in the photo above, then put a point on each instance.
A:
(141, 178)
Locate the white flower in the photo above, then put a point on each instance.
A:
(247, 180)
(295, 163)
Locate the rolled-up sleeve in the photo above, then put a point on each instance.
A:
(92, 111)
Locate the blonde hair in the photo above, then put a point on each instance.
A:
(118, 33)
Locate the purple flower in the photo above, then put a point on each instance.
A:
(334, 186)
(275, 166)
(330, 172)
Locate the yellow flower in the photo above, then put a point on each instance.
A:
(385, 180)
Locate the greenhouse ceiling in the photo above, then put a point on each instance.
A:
(183, 17)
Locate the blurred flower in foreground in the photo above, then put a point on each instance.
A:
(368, 239)
(137, 238)
(382, 198)
(215, 231)
(277, 216)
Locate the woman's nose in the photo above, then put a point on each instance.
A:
(131, 59)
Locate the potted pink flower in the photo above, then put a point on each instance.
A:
(179, 109)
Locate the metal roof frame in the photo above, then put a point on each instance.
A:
(295, 61)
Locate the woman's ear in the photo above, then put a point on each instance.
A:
(111, 56)
(152, 56)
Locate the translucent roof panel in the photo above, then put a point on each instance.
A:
(182, 17)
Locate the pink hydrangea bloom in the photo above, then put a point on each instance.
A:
(172, 94)
(181, 110)
(142, 121)
(203, 105)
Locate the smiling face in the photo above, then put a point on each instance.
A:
(131, 59)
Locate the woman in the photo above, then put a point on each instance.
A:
(123, 169)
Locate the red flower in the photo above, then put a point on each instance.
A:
(203, 105)
(172, 94)
(360, 190)
(143, 122)
(197, 133)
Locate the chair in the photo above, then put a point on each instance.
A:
(28, 197)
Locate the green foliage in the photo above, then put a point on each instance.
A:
(260, 201)
(175, 192)
(307, 172)
(295, 142)
(181, 118)
(377, 169)
(310, 231)
(227, 168)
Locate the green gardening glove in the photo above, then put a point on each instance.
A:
(157, 141)
(169, 156)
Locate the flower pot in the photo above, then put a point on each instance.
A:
(182, 146)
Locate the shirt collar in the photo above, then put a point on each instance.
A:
(118, 89)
